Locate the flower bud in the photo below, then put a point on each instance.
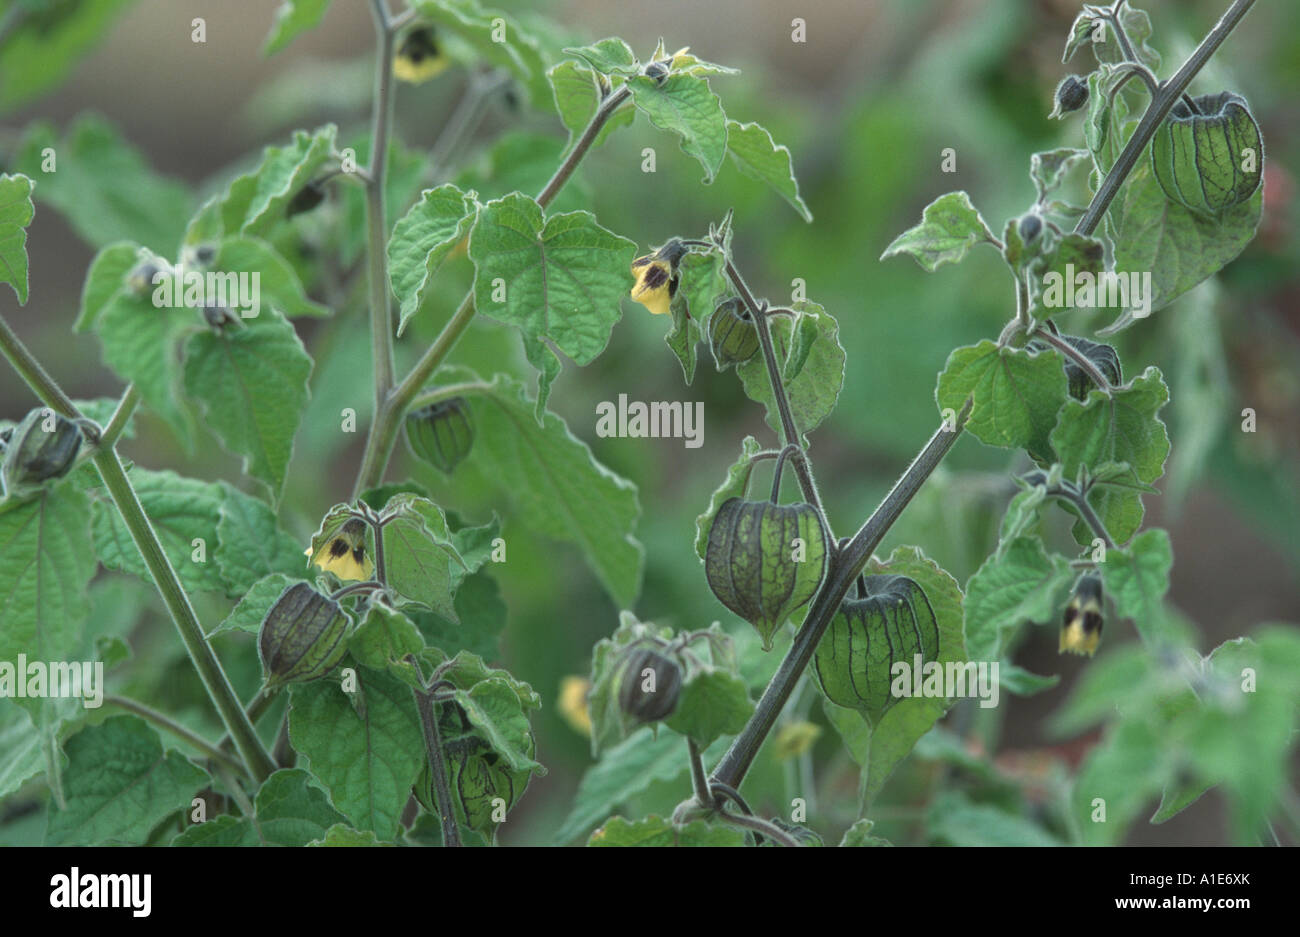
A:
(1083, 619)
(1102, 356)
(1071, 94)
(658, 71)
(305, 199)
(139, 281)
(1031, 225)
(42, 447)
(303, 636)
(732, 334)
(442, 433)
(419, 57)
(765, 560)
(651, 687)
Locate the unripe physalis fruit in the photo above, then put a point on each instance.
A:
(42, 447)
(139, 282)
(344, 554)
(765, 560)
(892, 624)
(1031, 225)
(303, 636)
(656, 277)
(419, 57)
(652, 684)
(1071, 94)
(1081, 624)
(442, 433)
(1103, 357)
(305, 199)
(658, 71)
(732, 333)
(1209, 159)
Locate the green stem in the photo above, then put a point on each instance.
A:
(758, 825)
(164, 576)
(166, 723)
(381, 315)
(121, 414)
(388, 414)
(437, 769)
(699, 781)
(1079, 358)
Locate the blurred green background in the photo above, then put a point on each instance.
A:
(866, 106)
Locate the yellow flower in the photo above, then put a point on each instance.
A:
(1081, 626)
(418, 58)
(656, 277)
(573, 703)
(344, 554)
(795, 739)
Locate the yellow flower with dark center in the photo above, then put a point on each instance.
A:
(1081, 626)
(656, 277)
(344, 554)
(419, 57)
(573, 703)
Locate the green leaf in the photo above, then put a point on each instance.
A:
(340, 834)
(1016, 394)
(759, 157)
(556, 486)
(103, 186)
(482, 617)
(277, 283)
(859, 835)
(656, 831)
(954, 820)
(368, 762)
(624, 771)
(45, 565)
(700, 283)
(814, 391)
(421, 241)
(734, 486)
(251, 543)
(1177, 797)
(950, 226)
(1049, 168)
(577, 96)
(119, 784)
(181, 510)
(1022, 682)
(256, 201)
(562, 279)
(292, 19)
(140, 343)
(248, 614)
(686, 106)
(384, 637)
(105, 279)
(1020, 583)
(288, 811)
(1127, 770)
(1177, 247)
(1053, 274)
(1137, 579)
(46, 42)
(713, 703)
(494, 709)
(16, 211)
(22, 743)
(1121, 428)
(251, 384)
(419, 553)
(610, 56)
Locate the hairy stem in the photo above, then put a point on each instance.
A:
(165, 722)
(1079, 358)
(437, 769)
(381, 323)
(699, 782)
(760, 826)
(117, 422)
